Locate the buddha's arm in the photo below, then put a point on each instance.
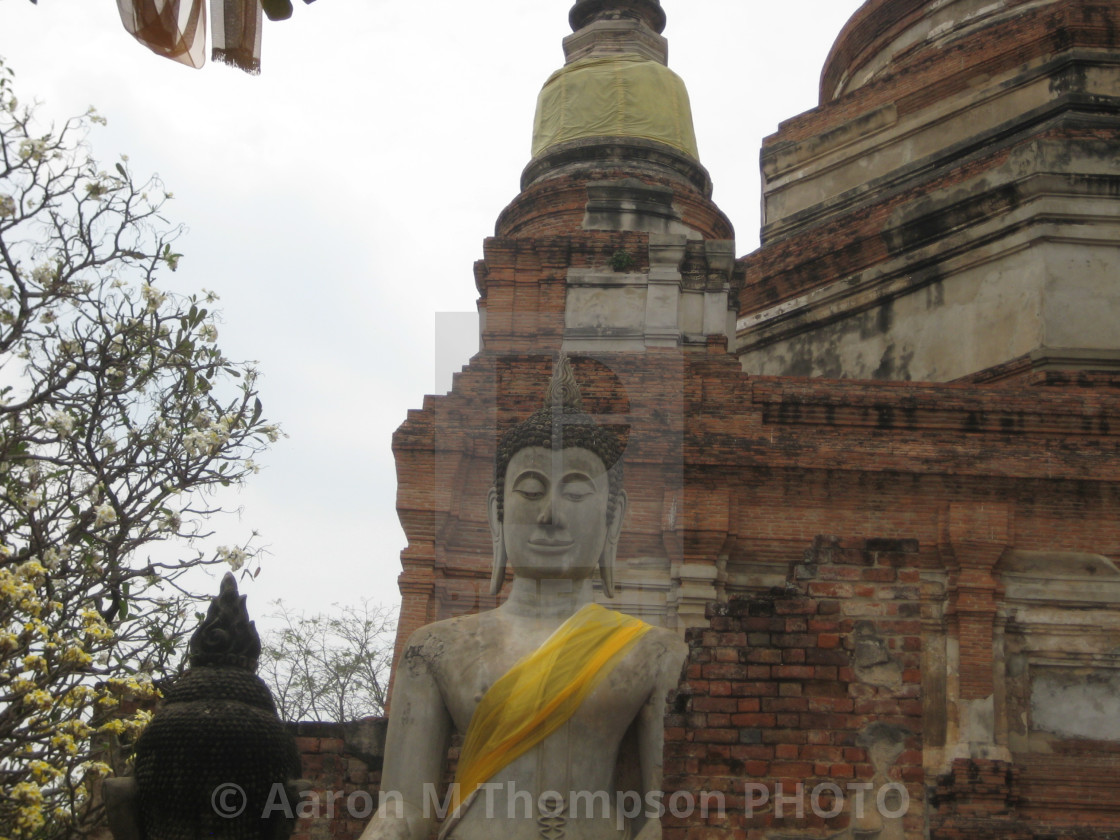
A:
(415, 752)
(651, 731)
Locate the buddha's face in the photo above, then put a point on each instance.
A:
(555, 522)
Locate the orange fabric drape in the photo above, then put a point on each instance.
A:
(542, 691)
(176, 29)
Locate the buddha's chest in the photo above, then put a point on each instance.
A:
(609, 698)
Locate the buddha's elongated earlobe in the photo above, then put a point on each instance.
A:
(606, 570)
(610, 545)
(498, 569)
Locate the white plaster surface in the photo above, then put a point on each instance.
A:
(1076, 704)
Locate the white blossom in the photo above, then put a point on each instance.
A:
(110, 374)
(33, 149)
(62, 423)
(153, 297)
(172, 522)
(51, 557)
(211, 436)
(197, 442)
(234, 556)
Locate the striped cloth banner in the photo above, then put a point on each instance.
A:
(176, 29)
(236, 29)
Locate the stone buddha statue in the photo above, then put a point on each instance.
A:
(560, 701)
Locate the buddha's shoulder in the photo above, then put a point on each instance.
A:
(448, 637)
(664, 637)
(661, 642)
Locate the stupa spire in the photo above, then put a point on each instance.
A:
(613, 129)
(612, 27)
(587, 11)
(649, 12)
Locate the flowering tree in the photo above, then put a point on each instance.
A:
(330, 666)
(119, 417)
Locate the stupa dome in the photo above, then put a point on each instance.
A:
(614, 127)
(624, 95)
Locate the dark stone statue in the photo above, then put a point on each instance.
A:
(216, 761)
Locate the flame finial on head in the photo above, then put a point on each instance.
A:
(226, 636)
(563, 390)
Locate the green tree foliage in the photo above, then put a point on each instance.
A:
(330, 666)
(119, 418)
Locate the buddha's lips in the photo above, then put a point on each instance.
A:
(551, 545)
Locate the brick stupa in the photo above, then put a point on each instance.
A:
(873, 466)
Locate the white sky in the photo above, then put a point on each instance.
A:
(338, 201)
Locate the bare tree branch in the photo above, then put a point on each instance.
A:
(330, 666)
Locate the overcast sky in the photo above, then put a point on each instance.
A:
(338, 201)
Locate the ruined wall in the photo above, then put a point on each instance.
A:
(342, 764)
(953, 209)
(730, 476)
(803, 706)
(823, 708)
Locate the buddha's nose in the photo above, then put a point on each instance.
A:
(549, 514)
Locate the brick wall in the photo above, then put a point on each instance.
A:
(342, 763)
(935, 70)
(744, 472)
(825, 687)
(813, 688)
(555, 206)
(889, 184)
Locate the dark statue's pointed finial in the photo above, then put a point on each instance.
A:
(226, 636)
(586, 12)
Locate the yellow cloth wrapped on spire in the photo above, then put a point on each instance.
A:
(620, 96)
(541, 692)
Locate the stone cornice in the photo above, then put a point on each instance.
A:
(1052, 90)
(947, 232)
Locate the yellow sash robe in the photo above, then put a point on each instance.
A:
(541, 692)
